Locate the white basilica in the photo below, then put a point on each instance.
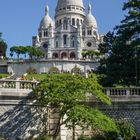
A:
(71, 33)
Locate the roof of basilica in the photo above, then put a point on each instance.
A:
(63, 3)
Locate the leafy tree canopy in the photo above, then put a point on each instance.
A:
(123, 49)
(68, 93)
(3, 46)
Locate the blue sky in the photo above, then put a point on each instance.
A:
(19, 19)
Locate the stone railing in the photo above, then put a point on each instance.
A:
(123, 94)
(122, 91)
(116, 94)
(17, 84)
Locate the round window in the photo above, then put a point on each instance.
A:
(45, 46)
(89, 44)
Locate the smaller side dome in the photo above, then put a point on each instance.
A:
(46, 21)
(90, 20)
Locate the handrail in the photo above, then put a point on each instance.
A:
(109, 91)
(17, 84)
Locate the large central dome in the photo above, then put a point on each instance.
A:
(63, 3)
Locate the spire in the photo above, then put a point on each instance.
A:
(46, 10)
(89, 8)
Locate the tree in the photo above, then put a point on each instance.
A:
(68, 94)
(30, 50)
(34, 52)
(3, 46)
(123, 49)
(17, 50)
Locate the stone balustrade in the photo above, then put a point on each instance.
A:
(17, 84)
(123, 94)
(116, 94)
(122, 91)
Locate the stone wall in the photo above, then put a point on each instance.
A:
(23, 120)
(129, 111)
(20, 67)
(19, 121)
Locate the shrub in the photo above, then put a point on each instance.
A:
(31, 71)
(53, 70)
(76, 70)
(126, 130)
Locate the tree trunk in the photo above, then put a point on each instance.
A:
(57, 130)
(73, 131)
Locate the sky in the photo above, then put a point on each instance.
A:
(20, 19)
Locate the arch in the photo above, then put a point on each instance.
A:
(78, 22)
(65, 39)
(63, 55)
(65, 23)
(56, 44)
(73, 41)
(72, 55)
(60, 22)
(73, 21)
(55, 55)
(45, 33)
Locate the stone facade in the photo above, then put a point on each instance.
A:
(71, 33)
(25, 121)
(20, 68)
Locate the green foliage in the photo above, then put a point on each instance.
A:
(127, 130)
(38, 77)
(43, 137)
(91, 53)
(3, 46)
(53, 70)
(31, 70)
(30, 50)
(66, 93)
(2, 75)
(123, 49)
(76, 70)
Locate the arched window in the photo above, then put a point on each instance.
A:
(56, 44)
(72, 55)
(84, 33)
(64, 55)
(65, 23)
(55, 55)
(60, 22)
(89, 32)
(73, 21)
(57, 24)
(78, 22)
(45, 33)
(65, 39)
(73, 41)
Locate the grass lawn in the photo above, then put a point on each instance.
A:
(3, 75)
(38, 77)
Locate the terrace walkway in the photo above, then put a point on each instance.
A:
(23, 88)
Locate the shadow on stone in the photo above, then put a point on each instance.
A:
(20, 121)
